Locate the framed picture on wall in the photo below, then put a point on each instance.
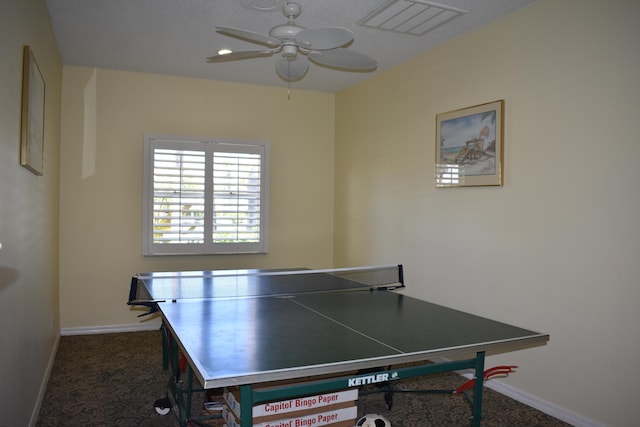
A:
(32, 126)
(469, 146)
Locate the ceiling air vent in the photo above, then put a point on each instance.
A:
(415, 17)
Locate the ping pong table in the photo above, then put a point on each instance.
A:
(250, 327)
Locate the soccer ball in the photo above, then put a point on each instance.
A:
(373, 420)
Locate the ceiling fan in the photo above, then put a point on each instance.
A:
(324, 46)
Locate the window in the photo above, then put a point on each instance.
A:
(204, 196)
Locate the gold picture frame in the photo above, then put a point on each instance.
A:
(469, 146)
(32, 124)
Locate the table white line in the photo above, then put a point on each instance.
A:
(345, 326)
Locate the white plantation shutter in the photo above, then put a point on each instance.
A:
(178, 196)
(204, 196)
(236, 197)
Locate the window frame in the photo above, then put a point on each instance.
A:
(209, 146)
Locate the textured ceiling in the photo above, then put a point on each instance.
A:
(176, 36)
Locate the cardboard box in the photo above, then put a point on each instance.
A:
(340, 417)
(231, 396)
(326, 409)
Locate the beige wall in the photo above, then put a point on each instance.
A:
(556, 249)
(105, 116)
(28, 217)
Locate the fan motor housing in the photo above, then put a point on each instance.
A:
(285, 31)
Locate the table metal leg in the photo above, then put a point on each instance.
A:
(477, 390)
(165, 346)
(246, 411)
(189, 393)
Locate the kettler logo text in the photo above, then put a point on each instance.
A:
(368, 379)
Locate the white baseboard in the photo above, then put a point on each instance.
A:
(535, 402)
(548, 408)
(111, 329)
(44, 383)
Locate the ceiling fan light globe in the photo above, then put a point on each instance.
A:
(292, 69)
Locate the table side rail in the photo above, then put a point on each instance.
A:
(397, 359)
(328, 385)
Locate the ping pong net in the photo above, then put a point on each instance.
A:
(148, 289)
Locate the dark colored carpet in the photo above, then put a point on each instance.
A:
(114, 379)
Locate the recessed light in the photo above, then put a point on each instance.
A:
(224, 51)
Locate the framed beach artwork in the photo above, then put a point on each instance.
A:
(32, 125)
(469, 145)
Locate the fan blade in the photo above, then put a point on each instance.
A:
(249, 36)
(324, 38)
(235, 56)
(344, 59)
(292, 70)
